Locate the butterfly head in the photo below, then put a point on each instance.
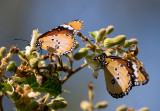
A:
(38, 43)
(102, 58)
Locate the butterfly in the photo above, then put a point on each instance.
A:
(60, 40)
(121, 74)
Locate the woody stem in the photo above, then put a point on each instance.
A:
(73, 72)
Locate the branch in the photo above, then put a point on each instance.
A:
(73, 72)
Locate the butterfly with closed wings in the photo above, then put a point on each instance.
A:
(121, 74)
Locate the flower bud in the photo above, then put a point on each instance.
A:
(122, 108)
(100, 36)
(109, 29)
(20, 89)
(101, 104)
(90, 47)
(128, 43)
(110, 42)
(58, 104)
(77, 45)
(144, 109)
(11, 66)
(84, 105)
(130, 109)
(82, 53)
(34, 62)
(3, 51)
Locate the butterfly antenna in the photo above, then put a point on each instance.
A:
(23, 40)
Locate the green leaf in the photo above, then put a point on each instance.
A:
(5, 87)
(50, 86)
(93, 34)
(32, 106)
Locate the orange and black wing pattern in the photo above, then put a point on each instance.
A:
(76, 24)
(118, 80)
(138, 74)
(60, 40)
(122, 74)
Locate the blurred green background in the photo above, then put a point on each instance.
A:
(138, 19)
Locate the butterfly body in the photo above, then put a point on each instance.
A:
(60, 40)
(121, 75)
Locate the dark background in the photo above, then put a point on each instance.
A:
(138, 19)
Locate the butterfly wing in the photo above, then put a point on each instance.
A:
(137, 73)
(143, 76)
(118, 81)
(76, 24)
(59, 44)
(61, 40)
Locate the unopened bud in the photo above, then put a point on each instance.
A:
(101, 35)
(109, 29)
(11, 66)
(144, 109)
(58, 104)
(102, 104)
(3, 51)
(19, 89)
(122, 108)
(84, 105)
(110, 42)
(90, 47)
(130, 109)
(82, 53)
(77, 45)
(128, 43)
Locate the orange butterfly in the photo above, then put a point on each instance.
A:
(60, 40)
(121, 74)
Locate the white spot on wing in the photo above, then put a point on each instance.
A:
(67, 26)
(135, 69)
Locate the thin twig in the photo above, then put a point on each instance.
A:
(73, 72)
(85, 38)
(47, 98)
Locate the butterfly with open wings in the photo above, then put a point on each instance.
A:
(60, 40)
